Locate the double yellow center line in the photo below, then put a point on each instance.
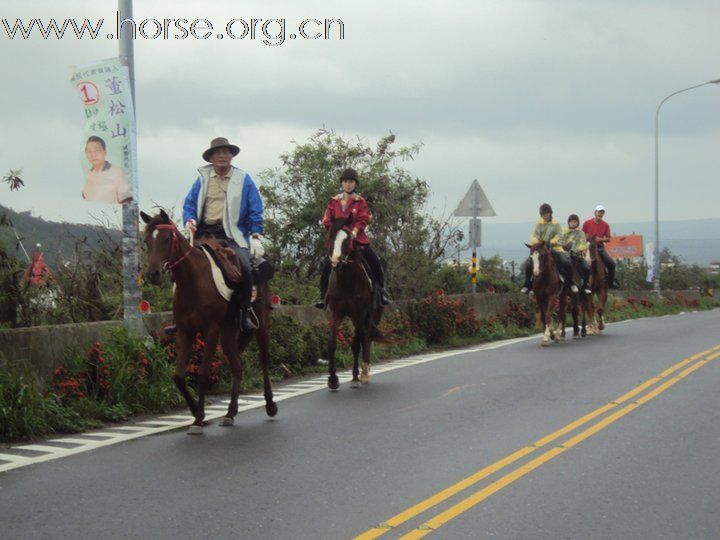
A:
(690, 364)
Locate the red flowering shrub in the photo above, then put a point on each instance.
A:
(437, 318)
(519, 315)
(196, 356)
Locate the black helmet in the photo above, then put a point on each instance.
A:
(545, 208)
(573, 217)
(350, 174)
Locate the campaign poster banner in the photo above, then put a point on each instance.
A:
(108, 144)
(629, 246)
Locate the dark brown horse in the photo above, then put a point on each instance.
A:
(598, 284)
(198, 307)
(546, 288)
(581, 309)
(350, 294)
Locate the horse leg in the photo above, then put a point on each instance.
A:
(366, 344)
(229, 342)
(575, 308)
(262, 336)
(602, 300)
(356, 344)
(182, 350)
(545, 321)
(211, 340)
(562, 314)
(333, 382)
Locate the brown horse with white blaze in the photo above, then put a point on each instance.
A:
(350, 294)
(198, 307)
(546, 288)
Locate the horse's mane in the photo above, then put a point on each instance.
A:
(334, 228)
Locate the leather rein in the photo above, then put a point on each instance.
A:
(170, 264)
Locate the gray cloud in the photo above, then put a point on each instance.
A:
(538, 100)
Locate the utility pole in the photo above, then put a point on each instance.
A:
(131, 285)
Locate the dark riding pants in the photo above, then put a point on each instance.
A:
(609, 264)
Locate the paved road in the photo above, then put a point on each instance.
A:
(335, 465)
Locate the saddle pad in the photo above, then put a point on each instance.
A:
(222, 288)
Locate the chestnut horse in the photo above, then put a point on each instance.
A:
(199, 308)
(546, 288)
(598, 283)
(350, 294)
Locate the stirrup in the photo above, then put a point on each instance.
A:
(253, 322)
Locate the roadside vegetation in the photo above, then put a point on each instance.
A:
(124, 375)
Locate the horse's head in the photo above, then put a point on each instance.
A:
(539, 252)
(593, 246)
(339, 242)
(159, 239)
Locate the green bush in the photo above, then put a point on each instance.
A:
(25, 413)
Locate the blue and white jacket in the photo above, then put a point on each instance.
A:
(243, 205)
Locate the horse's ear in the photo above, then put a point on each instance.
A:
(164, 216)
(145, 217)
(528, 245)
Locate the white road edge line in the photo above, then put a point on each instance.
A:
(165, 423)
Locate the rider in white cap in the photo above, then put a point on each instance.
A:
(601, 231)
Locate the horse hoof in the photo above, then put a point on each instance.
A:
(271, 409)
(545, 343)
(355, 383)
(333, 382)
(227, 421)
(364, 378)
(576, 336)
(195, 430)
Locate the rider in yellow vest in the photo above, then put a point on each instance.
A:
(548, 230)
(573, 241)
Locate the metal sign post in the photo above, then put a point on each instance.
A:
(474, 204)
(131, 286)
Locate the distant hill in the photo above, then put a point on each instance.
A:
(695, 241)
(56, 238)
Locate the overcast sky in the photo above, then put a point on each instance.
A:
(540, 101)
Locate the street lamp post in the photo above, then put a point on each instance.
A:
(656, 262)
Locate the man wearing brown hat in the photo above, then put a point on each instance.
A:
(225, 202)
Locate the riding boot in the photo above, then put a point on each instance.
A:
(527, 286)
(247, 319)
(612, 284)
(324, 279)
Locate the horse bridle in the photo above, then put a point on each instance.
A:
(175, 246)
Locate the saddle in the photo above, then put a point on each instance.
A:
(229, 266)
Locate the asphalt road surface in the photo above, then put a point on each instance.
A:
(615, 436)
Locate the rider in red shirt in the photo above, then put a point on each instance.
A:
(349, 204)
(601, 231)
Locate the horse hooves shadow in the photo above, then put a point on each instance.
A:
(271, 409)
(333, 382)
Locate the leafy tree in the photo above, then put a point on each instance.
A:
(296, 195)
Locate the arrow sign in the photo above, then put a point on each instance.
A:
(466, 206)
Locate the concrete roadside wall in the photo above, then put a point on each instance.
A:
(45, 346)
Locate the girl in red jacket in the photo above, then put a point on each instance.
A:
(349, 204)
